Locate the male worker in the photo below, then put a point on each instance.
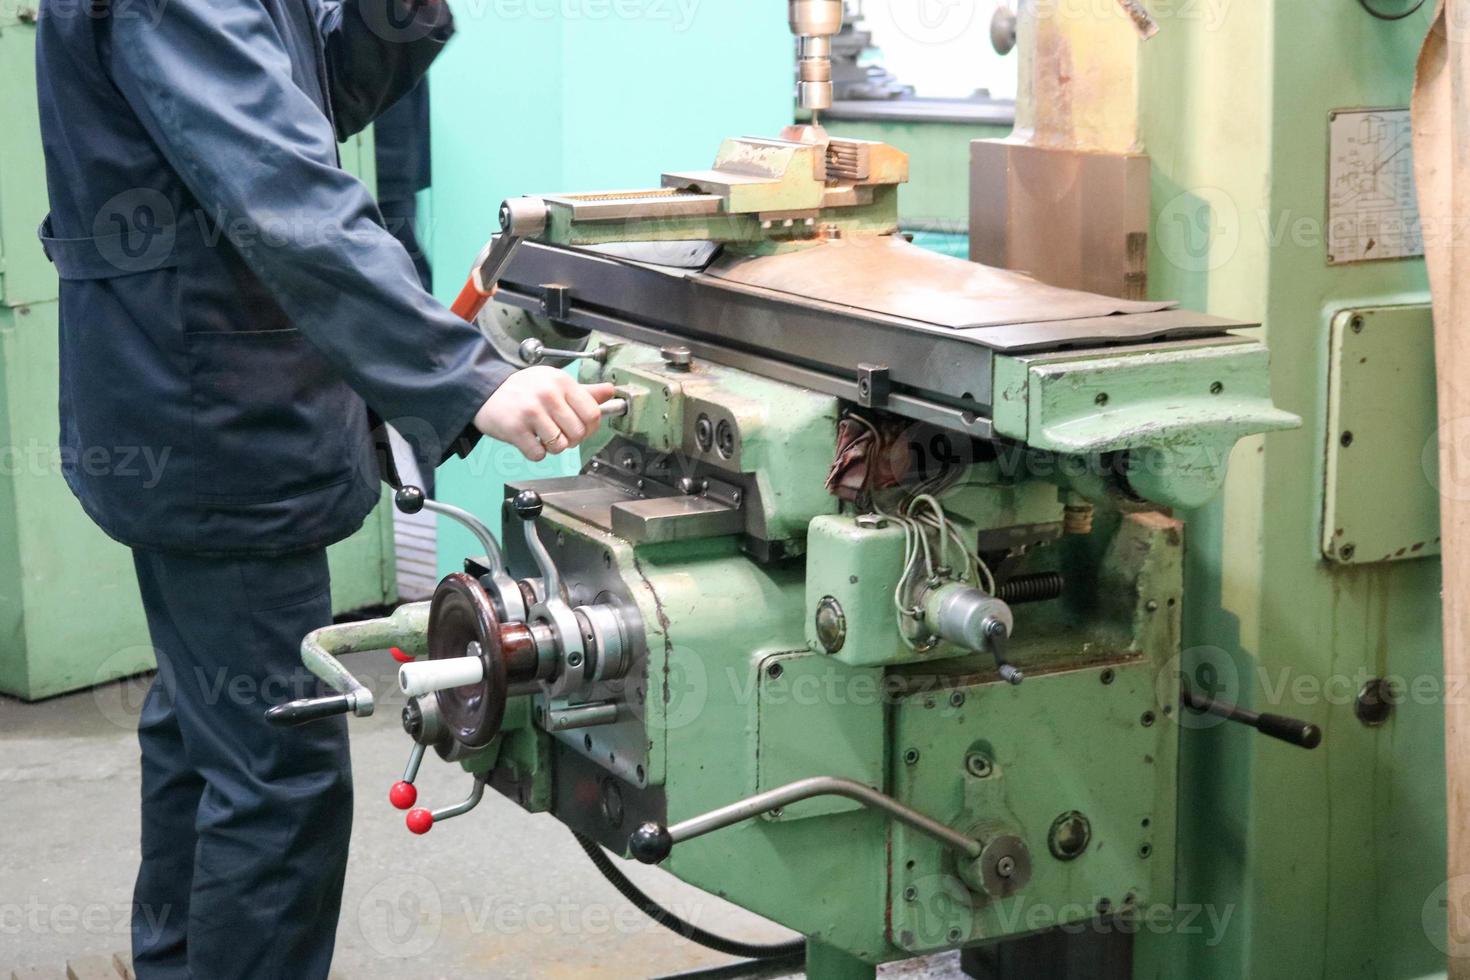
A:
(231, 305)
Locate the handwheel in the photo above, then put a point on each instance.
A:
(461, 614)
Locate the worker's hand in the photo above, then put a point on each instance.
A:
(543, 411)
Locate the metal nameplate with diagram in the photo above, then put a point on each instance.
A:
(1372, 204)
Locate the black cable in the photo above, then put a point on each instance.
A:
(1398, 16)
(672, 922)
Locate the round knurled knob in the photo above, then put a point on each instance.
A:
(409, 500)
(403, 795)
(527, 505)
(420, 821)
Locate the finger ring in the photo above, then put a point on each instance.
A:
(548, 442)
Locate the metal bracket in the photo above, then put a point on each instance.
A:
(874, 385)
(556, 301)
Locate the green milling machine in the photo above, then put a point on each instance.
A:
(891, 603)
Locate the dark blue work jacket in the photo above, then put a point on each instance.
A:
(229, 297)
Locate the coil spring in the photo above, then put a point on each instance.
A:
(1041, 587)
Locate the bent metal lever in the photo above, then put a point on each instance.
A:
(406, 630)
(652, 842)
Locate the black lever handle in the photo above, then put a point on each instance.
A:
(308, 710)
(409, 499)
(1292, 731)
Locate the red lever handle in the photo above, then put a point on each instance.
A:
(420, 821)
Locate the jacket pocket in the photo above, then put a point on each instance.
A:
(271, 420)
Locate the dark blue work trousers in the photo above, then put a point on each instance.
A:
(245, 826)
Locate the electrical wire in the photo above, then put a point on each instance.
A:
(917, 526)
(670, 921)
(1391, 17)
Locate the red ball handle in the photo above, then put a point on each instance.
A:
(403, 795)
(420, 821)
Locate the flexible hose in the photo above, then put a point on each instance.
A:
(670, 921)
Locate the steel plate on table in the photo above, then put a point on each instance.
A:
(892, 277)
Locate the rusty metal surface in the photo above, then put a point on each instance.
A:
(889, 276)
(1075, 219)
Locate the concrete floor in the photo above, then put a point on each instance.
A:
(498, 893)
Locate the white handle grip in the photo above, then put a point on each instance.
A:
(427, 676)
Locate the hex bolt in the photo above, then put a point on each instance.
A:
(977, 765)
(910, 894)
(957, 699)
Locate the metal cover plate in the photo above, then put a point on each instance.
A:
(1381, 501)
(1043, 739)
